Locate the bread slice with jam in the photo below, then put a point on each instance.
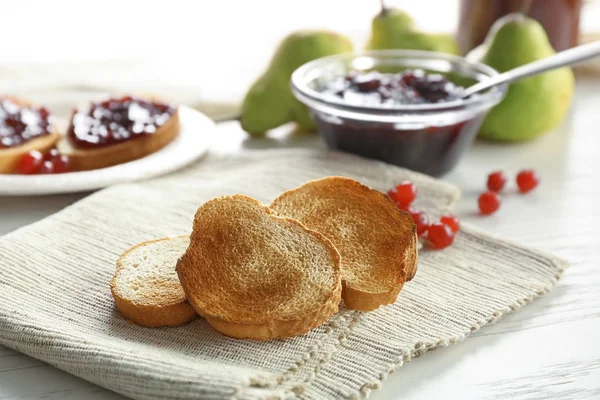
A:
(117, 131)
(23, 128)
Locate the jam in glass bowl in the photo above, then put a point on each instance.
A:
(403, 107)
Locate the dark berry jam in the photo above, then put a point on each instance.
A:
(20, 124)
(433, 150)
(117, 120)
(432, 146)
(384, 90)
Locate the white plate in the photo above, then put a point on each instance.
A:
(192, 142)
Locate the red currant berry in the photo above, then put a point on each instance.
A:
(496, 181)
(47, 167)
(404, 193)
(51, 155)
(60, 161)
(30, 163)
(489, 202)
(440, 235)
(403, 207)
(61, 164)
(527, 180)
(451, 221)
(421, 220)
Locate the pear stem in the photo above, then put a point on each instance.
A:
(525, 6)
(384, 8)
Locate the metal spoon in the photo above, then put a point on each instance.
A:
(568, 57)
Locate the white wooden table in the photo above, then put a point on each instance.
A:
(550, 349)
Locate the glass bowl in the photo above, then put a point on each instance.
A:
(429, 138)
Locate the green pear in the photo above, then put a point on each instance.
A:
(533, 105)
(269, 102)
(395, 29)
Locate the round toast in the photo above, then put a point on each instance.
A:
(130, 150)
(377, 241)
(146, 288)
(253, 274)
(11, 156)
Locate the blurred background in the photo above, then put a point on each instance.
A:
(198, 49)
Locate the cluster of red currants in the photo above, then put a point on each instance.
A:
(440, 234)
(51, 162)
(489, 202)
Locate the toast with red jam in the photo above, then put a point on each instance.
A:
(117, 131)
(23, 128)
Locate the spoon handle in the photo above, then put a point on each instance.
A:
(564, 58)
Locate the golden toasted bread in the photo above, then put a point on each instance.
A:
(146, 288)
(253, 274)
(107, 156)
(377, 241)
(11, 156)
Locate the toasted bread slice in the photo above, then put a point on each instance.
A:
(11, 156)
(107, 156)
(377, 241)
(146, 288)
(255, 275)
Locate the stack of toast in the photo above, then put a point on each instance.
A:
(263, 272)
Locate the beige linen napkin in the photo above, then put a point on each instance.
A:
(55, 303)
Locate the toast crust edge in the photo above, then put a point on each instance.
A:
(357, 299)
(278, 328)
(175, 314)
(11, 157)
